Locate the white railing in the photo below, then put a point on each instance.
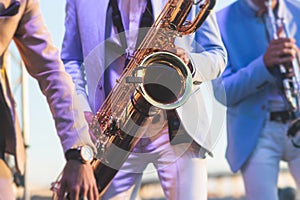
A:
(18, 77)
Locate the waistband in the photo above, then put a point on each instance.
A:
(282, 116)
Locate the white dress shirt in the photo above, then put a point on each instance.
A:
(131, 13)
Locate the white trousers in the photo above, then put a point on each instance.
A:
(260, 173)
(181, 169)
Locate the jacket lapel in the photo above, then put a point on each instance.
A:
(101, 18)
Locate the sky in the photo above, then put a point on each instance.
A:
(45, 154)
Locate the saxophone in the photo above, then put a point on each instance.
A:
(154, 80)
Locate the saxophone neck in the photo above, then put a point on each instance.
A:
(182, 8)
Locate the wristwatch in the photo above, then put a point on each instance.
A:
(84, 154)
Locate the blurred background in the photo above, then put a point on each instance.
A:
(45, 155)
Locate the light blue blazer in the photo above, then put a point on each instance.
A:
(246, 80)
(83, 44)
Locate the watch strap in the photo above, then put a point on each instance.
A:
(74, 154)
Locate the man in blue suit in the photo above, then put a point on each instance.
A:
(258, 113)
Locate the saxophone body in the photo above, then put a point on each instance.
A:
(154, 80)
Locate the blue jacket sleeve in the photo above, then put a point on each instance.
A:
(72, 55)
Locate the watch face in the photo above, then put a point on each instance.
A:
(87, 153)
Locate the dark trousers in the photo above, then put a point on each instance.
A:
(6, 179)
(6, 122)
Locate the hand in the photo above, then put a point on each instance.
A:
(79, 181)
(281, 51)
(182, 54)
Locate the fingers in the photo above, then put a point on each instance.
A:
(84, 194)
(284, 46)
(75, 193)
(95, 192)
(89, 193)
(283, 40)
(61, 191)
(280, 51)
(78, 181)
(181, 53)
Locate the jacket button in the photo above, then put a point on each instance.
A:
(263, 107)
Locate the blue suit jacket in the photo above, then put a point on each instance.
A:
(246, 80)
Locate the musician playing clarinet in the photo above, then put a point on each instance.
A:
(260, 58)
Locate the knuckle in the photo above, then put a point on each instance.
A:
(85, 187)
(75, 188)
